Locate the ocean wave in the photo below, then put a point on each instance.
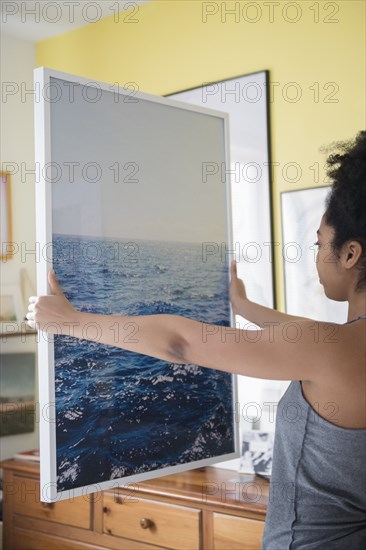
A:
(187, 369)
(161, 379)
(160, 268)
(73, 414)
(118, 472)
(77, 443)
(70, 472)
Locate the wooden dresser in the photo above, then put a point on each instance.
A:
(207, 508)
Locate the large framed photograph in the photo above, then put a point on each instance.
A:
(135, 220)
(245, 98)
(302, 211)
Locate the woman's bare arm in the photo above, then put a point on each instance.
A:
(154, 335)
(296, 350)
(263, 316)
(290, 351)
(258, 314)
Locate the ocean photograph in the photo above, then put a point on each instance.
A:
(119, 413)
(139, 226)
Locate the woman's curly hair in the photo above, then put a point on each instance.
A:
(346, 202)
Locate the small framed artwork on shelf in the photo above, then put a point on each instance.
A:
(5, 217)
(18, 399)
(257, 453)
(11, 309)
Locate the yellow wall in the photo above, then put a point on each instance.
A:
(172, 45)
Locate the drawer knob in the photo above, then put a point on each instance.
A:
(106, 510)
(146, 523)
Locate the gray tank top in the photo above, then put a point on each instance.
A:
(317, 497)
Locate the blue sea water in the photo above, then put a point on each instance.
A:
(120, 413)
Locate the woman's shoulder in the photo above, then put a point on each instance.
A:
(353, 337)
(335, 351)
(341, 381)
(343, 337)
(345, 345)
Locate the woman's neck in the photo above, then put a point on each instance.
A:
(357, 306)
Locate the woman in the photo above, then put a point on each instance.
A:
(318, 486)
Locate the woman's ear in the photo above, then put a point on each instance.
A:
(352, 253)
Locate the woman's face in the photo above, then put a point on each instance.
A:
(328, 266)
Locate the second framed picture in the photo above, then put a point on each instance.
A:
(302, 211)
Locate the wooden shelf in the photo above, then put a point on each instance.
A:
(4, 335)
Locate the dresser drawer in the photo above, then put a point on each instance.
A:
(236, 533)
(165, 525)
(31, 540)
(25, 496)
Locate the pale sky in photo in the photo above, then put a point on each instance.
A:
(163, 148)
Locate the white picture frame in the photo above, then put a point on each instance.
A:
(61, 211)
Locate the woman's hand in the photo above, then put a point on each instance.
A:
(50, 313)
(236, 290)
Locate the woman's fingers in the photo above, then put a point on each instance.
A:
(33, 300)
(31, 315)
(30, 318)
(53, 282)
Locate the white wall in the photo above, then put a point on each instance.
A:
(17, 147)
(17, 150)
